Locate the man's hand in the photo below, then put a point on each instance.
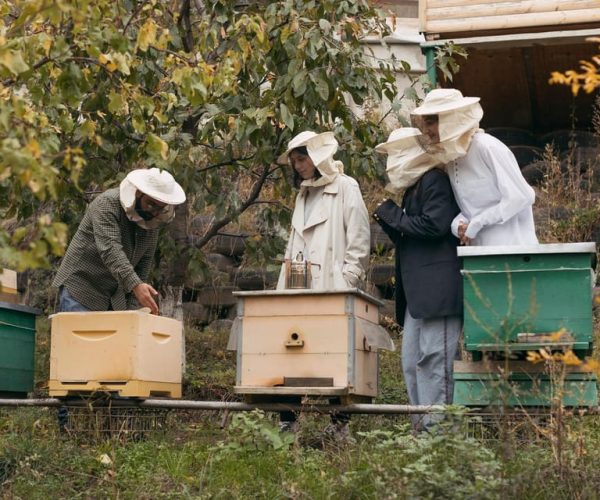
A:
(145, 294)
(462, 229)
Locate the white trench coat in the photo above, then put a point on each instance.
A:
(337, 236)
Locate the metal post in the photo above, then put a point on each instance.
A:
(429, 53)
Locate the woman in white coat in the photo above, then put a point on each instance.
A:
(330, 224)
(330, 227)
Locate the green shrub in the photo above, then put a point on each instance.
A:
(446, 464)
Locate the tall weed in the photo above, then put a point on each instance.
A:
(567, 208)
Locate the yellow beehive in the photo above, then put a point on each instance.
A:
(8, 281)
(134, 353)
(307, 342)
(8, 287)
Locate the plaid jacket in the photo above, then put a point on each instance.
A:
(108, 256)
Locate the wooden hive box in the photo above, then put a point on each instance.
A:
(133, 353)
(521, 383)
(307, 342)
(8, 281)
(8, 286)
(519, 297)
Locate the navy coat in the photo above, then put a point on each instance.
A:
(428, 278)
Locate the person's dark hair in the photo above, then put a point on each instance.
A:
(297, 180)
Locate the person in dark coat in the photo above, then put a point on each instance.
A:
(428, 280)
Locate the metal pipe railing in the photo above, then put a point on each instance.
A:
(177, 404)
(383, 409)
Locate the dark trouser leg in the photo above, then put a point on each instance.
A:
(288, 415)
(66, 302)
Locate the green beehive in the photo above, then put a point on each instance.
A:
(518, 297)
(17, 348)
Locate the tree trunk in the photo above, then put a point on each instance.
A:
(171, 302)
(171, 306)
(172, 288)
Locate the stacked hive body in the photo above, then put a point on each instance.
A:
(132, 353)
(520, 300)
(17, 348)
(305, 342)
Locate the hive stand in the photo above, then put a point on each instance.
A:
(126, 389)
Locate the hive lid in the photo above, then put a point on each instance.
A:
(549, 248)
(20, 308)
(308, 291)
(376, 337)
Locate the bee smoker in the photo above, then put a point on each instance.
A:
(298, 272)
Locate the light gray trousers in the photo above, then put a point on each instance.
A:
(428, 351)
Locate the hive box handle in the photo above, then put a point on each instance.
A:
(161, 338)
(94, 335)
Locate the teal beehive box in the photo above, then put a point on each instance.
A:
(519, 298)
(17, 349)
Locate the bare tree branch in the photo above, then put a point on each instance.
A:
(231, 161)
(185, 26)
(133, 15)
(213, 230)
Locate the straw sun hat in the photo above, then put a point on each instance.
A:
(158, 184)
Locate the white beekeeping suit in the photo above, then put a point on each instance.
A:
(494, 197)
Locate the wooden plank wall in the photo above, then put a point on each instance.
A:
(437, 17)
(514, 90)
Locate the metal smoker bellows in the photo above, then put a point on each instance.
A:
(298, 272)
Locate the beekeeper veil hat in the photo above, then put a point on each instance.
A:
(406, 161)
(320, 148)
(458, 119)
(158, 185)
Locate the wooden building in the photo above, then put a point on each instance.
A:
(513, 46)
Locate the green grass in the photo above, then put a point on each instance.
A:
(250, 459)
(242, 455)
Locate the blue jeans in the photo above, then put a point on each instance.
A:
(66, 302)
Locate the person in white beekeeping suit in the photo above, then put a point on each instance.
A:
(494, 197)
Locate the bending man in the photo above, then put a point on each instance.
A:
(108, 260)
